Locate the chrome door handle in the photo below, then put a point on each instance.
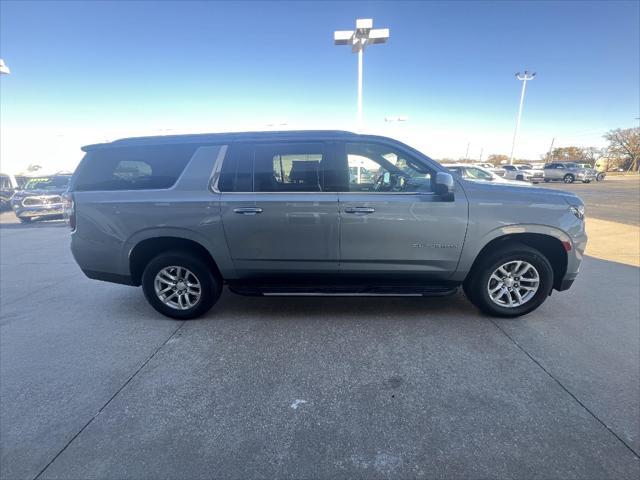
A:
(359, 210)
(248, 210)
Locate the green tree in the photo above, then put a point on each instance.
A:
(624, 147)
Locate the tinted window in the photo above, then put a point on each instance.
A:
(133, 168)
(288, 168)
(380, 168)
(236, 174)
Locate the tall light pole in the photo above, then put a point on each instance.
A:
(524, 79)
(363, 35)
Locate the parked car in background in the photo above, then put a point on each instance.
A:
(568, 172)
(475, 172)
(8, 186)
(491, 167)
(282, 213)
(523, 173)
(41, 198)
(599, 172)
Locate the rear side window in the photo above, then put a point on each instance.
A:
(133, 168)
(288, 168)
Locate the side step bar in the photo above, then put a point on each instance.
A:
(345, 291)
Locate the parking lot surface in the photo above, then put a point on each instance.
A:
(95, 384)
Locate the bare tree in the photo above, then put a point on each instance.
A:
(624, 146)
(497, 159)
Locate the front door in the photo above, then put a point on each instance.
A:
(278, 218)
(393, 226)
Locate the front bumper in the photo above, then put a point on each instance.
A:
(53, 210)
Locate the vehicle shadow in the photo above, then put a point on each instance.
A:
(323, 308)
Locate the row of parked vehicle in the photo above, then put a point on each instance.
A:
(567, 172)
(34, 198)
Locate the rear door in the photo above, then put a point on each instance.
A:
(278, 217)
(392, 223)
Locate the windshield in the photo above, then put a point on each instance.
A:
(56, 182)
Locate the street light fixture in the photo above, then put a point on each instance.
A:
(524, 79)
(363, 35)
(3, 68)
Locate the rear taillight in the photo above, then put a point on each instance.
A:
(69, 207)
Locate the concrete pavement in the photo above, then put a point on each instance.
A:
(95, 384)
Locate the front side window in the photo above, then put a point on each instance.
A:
(382, 169)
(288, 168)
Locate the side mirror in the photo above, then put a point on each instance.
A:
(444, 185)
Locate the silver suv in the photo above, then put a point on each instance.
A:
(315, 212)
(568, 172)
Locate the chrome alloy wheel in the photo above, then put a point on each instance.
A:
(513, 284)
(177, 287)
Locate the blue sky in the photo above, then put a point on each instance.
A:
(93, 71)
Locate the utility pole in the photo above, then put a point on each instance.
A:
(550, 149)
(524, 79)
(481, 152)
(363, 35)
(466, 155)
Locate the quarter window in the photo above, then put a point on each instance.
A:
(133, 168)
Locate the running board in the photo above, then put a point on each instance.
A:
(345, 291)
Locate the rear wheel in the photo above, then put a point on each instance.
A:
(600, 176)
(24, 219)
(180, 285)
(568, 178)
(547, 180)
(510, 282)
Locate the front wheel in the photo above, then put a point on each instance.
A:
(547, 180)
(180, 285)
(511, 282)
(25, 219)
(568, 178)
(600, 177)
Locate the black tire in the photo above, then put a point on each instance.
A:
(568, 178)
(210, 284)
(475, 286)
(547, 180)
(519, 177)
(25, 219)
(586, 181)
(600, 177)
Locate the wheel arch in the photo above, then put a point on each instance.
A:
(146, 249)
(550, 243)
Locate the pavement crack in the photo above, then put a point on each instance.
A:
(147, 360)
(533, 359)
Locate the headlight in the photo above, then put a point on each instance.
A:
(577, 211)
